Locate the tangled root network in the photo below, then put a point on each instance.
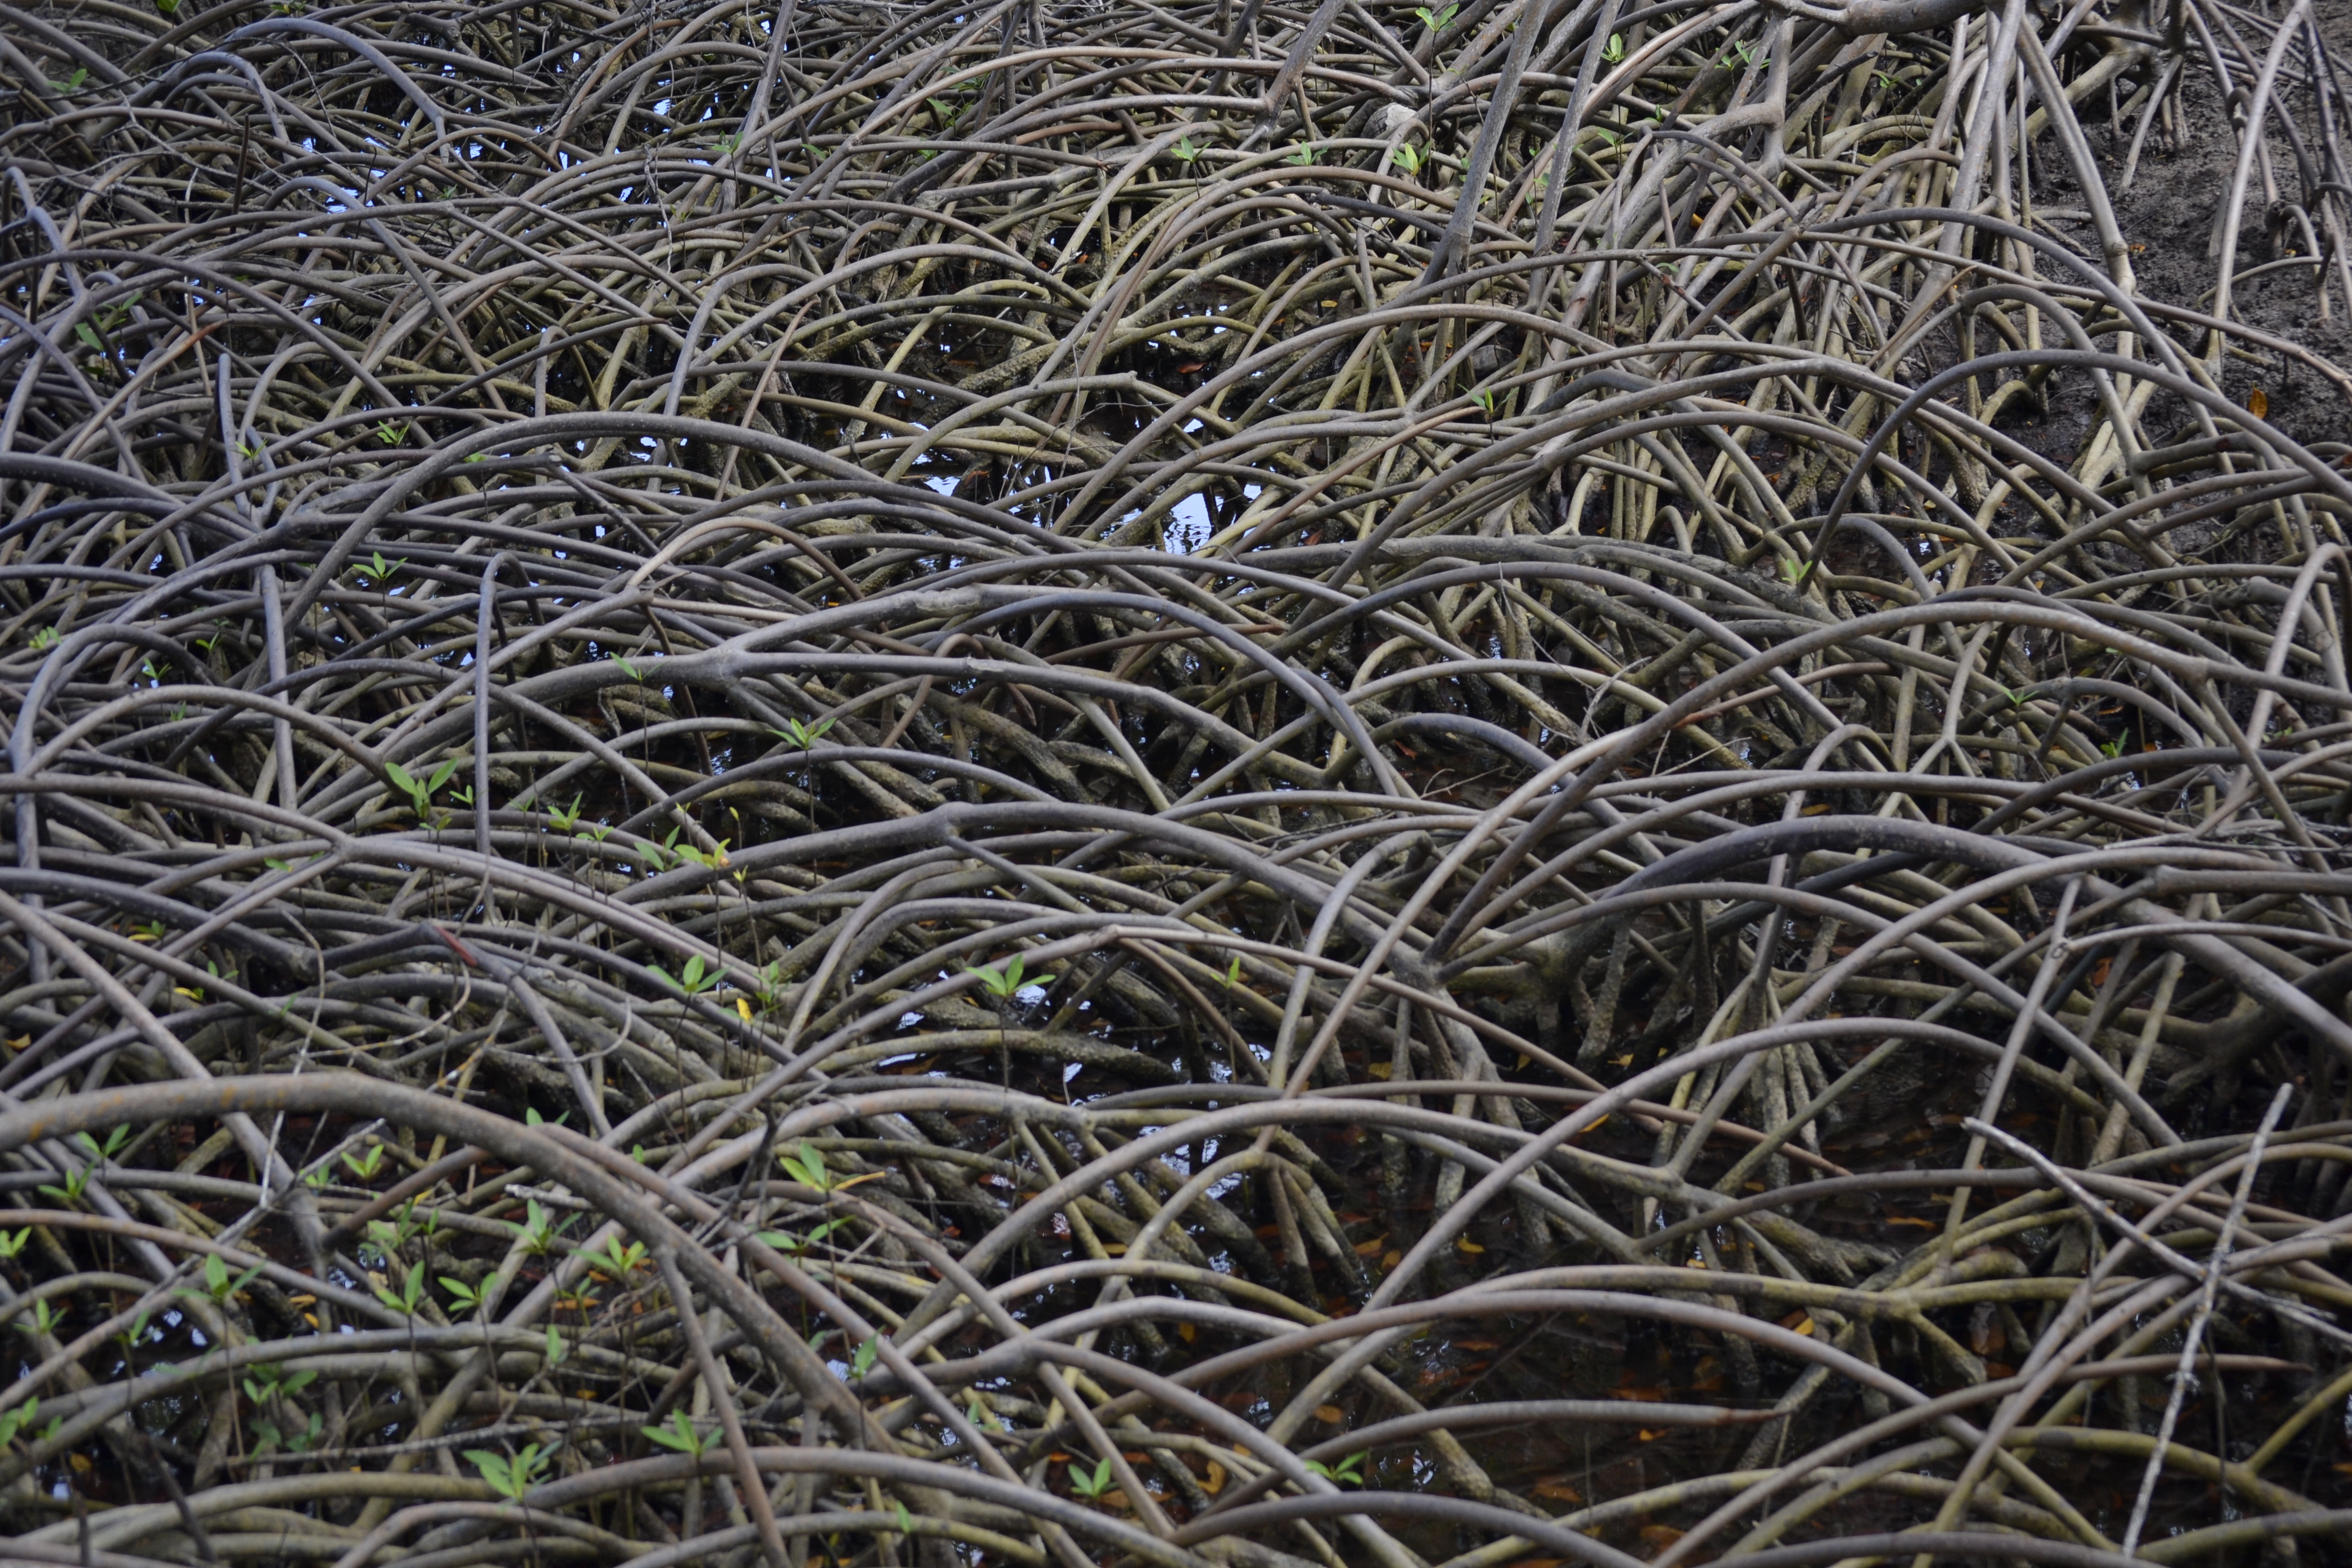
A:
(1159, 783)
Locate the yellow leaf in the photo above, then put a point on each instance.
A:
(743, 1007)
(1390, 1259)
(1379, 1070)
(1214, 1481)
(1369, 1248)
(1467, 1245)
(1329, 1415)
(2258, 404)
(1187, 1332)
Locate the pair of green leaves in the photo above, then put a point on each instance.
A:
(787, 1241)
(420, 795)
(1438, 20)
(680, 1435)
(21, 1418)
(801, 736)
(694, 980)
(1002, 979)
(411, 1292)
(1348, 1471)
(268, 1382)
(510, 1478)
(221, 1286)
(1092, 1484)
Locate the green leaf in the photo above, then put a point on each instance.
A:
(15, 1420)
(807, 1167)
(680, 1435)
(556, 1349)
(862, 1361)
(1091, 1487)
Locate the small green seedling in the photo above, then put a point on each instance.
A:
(44, 638)
(391, 433)
(786, 1241)
(1186, 149)
(77, 1183)
(13, 1244)
(807, 1167)
(510, 1478)
(72, 83)
(694, 980)
(565, 820)
(535, 1233)
(1091, 1485)
(709, 860)
(218, 1284)
(110, 1148)
(804, 737)
(1436, 21)
(42, 1319)
(556, 1349)
(1233, 976)
(1614, 49)
(14, 1421)
(1348, 1472)
(1408, 157)
(619, 1260)
(420, 795)
(411, 1292)
(1005, 979)
(862, 1359)
(269, 1381)
(365, 1166)
(680, 1435)
(378, 570)
(1303, 154)
(464, 1295)
(269, 1438)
